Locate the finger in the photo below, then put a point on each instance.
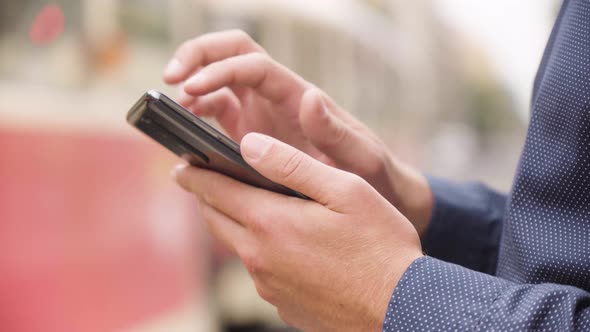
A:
(215, 102)
(288, 166)
(221, 104)
(207, 49)
(184, 98)
(224, 229)
(255, 70)
(247, 205)
(329, 132)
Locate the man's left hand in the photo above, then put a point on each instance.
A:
(328, 264)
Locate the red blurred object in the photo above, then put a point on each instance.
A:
(47, 25)
(78, 251)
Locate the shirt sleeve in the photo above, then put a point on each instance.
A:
(433, 295)
(466, 224)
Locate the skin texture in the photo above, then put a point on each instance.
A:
(226, 75)
(326, 265)
(329, 264)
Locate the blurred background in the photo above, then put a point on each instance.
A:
(94, 236)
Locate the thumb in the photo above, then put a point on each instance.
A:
(292, 168)
(330, 131)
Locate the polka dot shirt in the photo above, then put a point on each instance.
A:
(520, 262)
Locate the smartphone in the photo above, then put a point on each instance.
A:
(195, 141)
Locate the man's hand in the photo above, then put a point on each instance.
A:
(228, 76)
(329, 264)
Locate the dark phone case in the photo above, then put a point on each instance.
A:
(195, 141)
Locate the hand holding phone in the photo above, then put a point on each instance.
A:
(195, 141)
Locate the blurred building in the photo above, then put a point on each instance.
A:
(426, 89)
(394, 64)
(374, 58)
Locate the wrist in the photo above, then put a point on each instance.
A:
(412, 194)
(396, 271)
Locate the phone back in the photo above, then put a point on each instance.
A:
(195, 141)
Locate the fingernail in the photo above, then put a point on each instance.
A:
(174, 68)
(196, 80)
(177, 169)
(255, 146)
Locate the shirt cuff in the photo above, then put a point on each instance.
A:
(433, 295)
(466, 224)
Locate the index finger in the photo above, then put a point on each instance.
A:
(206, 49)
(256, 71)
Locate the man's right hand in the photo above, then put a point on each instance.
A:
(230, 77)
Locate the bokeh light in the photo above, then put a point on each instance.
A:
(48, 25)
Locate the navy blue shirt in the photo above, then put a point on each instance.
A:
(522, 261)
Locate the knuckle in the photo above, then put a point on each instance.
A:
(265, 293)
(376, 166)
(260, 59)
(293, 166)
(209, 198)
(244, 42)
(259, 223)
(240, 35)
(186, 48)
(252, 260)
(355, 185)
(285, 317)
(340, 132)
